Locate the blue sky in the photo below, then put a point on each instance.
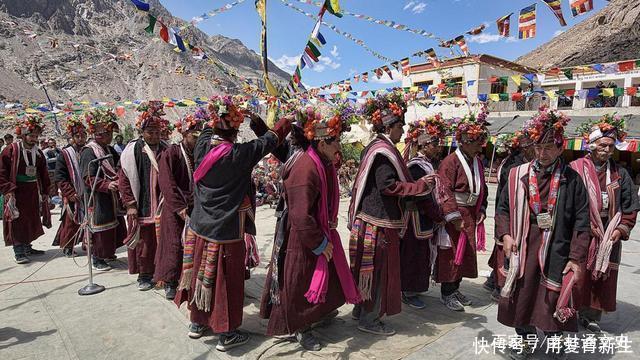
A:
(288, 30)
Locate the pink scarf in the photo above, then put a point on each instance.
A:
(481, 239)
(319, 283)
(210, 159)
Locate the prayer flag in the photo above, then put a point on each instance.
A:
(598, 67)
(333, 7)
(388, 71)
(482, 97)
(164, 33)
(311, 46)
(463, 44)
(618, 91)
(632, 91)
(626, 66)
(356, 78)
(527, 22)
(592, 93)
(470, 82)
(516, 79)
(529, 77)
(432, 57)
(406, 68)
(494, 97)
(579, 7)
(477, 30)
(570, 92)
(180, 43)
(551, 94)
(568, 73)
(504, 97)
(611, 68)
(152, 24)
(517, 96)
(556, 7)
(396, 64)
(142, 6)
(365, 77)
(504, 80)
(378, 72)
(607, 92)
(504, 25)
(321, 39)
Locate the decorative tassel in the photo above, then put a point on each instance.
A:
(365, 284)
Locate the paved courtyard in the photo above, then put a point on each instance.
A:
(43, 317)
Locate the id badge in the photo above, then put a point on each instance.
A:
(30, 171)
(544, 221)
(605, 200)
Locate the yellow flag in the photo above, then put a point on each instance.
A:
(577, 145)
(414, 89)
(516, 79)
(551, 94)
(494, 97)
(31, 111)
(608, 92)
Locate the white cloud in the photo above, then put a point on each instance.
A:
(512, 39)
(484, 38)
(419, 8)
(335, 52)
(410, 4)
(326, 62)
(397, 77)
(286, 63)
(558, 32)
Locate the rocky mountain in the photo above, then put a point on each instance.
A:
(97, 50)
(613, 34)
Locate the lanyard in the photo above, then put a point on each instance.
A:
(534, 191)
(25, 155)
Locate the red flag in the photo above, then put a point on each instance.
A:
(504, 25)
(388, 71)
(406, 68)
(626, 66)
(632, 91)
(517, 96)
(164, 33)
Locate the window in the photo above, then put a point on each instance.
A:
(453, 87)
(565, 102)
(423, 83)
(498, 87)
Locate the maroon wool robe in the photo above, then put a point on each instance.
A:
(601, 294)
(28, 226)
(303, 235)
(174, 181)
(68, 227)
(454, 179)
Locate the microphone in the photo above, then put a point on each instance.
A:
(100, 159)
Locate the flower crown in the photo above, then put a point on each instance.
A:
(508, 141)
(547, 123)
(433, 127)
(74, 123)
(472, 127)
(607, 124)
(192, 121)
(28, 123)
(385, 106)
(152, 113)
(224, 113)
(100, 117)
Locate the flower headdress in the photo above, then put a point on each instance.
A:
(609, 125)
(27, 124)
(193, 122)
(151, 116)
(546, 126)
(472, 127)
(426, 130)
(75, 124)
(101, 118)
(224, 114)
(385, 109)
(508, 142)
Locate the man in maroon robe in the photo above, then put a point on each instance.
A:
(24, 182)
(462, 174)
(418, 248)
(305, 232)
(140, 193)
(613, 206)
(213, 266)
(68, 177)
(543, 221)
(376, 218)
(105, 220)
(176, 186)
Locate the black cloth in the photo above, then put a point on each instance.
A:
(106, 205)
(61, 174)
(425, 204)
(513, 160)
(51, 155)
(571, 216)
(144, 174)
(222, 190)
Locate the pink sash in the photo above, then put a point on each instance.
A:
(319, 283)
(210, 159)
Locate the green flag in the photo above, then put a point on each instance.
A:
(618, 91)
(568, 73)
(313, 49)
(152, 24)
(504, 80)
(333, 6)
(504, 97)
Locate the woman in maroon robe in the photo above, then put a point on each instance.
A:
(176, 186)
(24, 182)
(301, 242)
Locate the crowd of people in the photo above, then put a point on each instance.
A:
(186, 211)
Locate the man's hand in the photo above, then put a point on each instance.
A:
(458, 224)
(132, 211)
(573, 266)
(328, 251)
(509, 245)
(481, 218)
(430, 180)
(616, 236)
(9, 196)
(113, 186)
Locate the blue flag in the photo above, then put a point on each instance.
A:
(529, 77)
(482, 97)
(142, 6)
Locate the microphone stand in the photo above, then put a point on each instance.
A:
(91, 288)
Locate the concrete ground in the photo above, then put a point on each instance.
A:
(43, 317)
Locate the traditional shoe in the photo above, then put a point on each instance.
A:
(22, 259)
(463, 299)
(413, 301)
(232, 340)
(308, 341)
(590, 325)
(68, 252)
(145, 284)
(452, 303)
(170, 292)
(495, 295)
(100, 265)
(377, 329)
(355, 313)
(32, 251)
(196, 331)
(112, 258)
(489, 285)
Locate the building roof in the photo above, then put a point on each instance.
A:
(501, 125)
(473, 59)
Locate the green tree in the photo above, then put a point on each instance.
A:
(351, 152)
